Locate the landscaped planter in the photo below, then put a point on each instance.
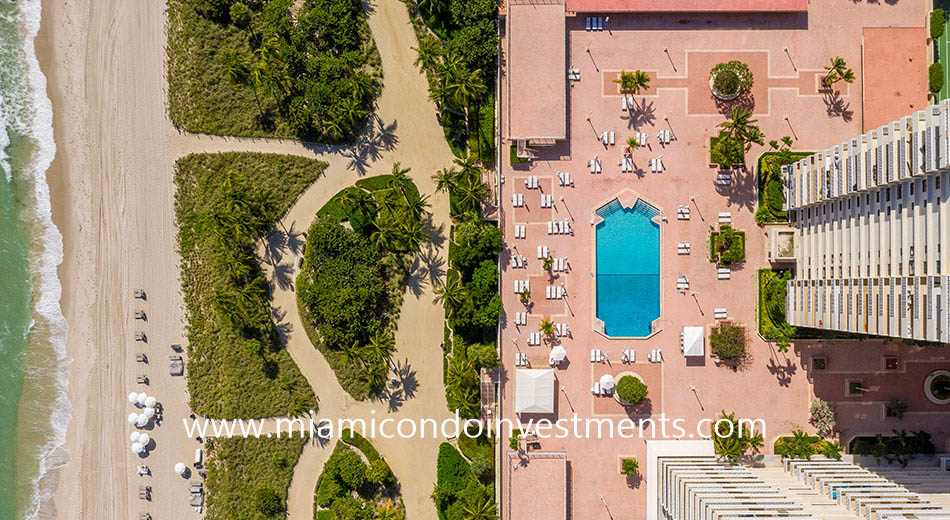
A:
(729, 80)
(617, 391)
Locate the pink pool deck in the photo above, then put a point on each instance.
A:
(676, 50)
(685, 6)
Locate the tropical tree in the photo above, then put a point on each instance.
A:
(837, 70)
(451, 294)
(428, 53)
(479, 507)
(632, 144)
(547, 262)
(379, 348)
(389, 511)
(469, 194)
(445, 179)
(798, 446)
(832, 450)
(525, 296)
(359, 201)
(546, 327)
(633, 82)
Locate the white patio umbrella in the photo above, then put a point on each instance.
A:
(150, 402)
(132, 418)
(141, 420)
(558, 353)
(148, 412)
(137, 448)
(143, 439)
(607, 382)
(135, 436)
(180, 468)
(140, 399)
(133, 398)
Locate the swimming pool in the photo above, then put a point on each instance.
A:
(628, 269)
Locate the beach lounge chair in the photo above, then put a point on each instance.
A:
(593, 355)
(141, 379)
(725, 217)
(140, 336)
(139, 293)
(595, 388)
(587, 23)
(141, 358)
(566, 227)
(611, 137)
(603, 138)
(658, 356)
(140, 315)
(550, 228)
(682, 248)
(659, 164)
(593, 167)
(724, 273)
(623, 103)
(682, 212)
(720, 313)
(600, 23)
(597, 164)
(547, 292)
(176, 367)
(544, 249)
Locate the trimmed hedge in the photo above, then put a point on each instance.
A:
(937, 22)
(935, 80)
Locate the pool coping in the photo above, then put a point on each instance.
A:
(627, 199)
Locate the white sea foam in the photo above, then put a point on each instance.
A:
(33, 117)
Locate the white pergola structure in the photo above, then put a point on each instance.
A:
(534, 390)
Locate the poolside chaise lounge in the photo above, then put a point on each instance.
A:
(682, 248)
(724, 273)
(520, 230)
(725, 217)
(595, 388)
(542, 252)
(682, 212)
(561, 329)
(547, 200)
(628, 356)
(565, 178)
(720, 313)
(623, 103)
(611, 138)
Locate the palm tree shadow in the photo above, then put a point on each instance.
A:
(387, 134)
(284, 328)
(284, 276)
(643, 114)
(436, 233)
(275, 244)
(783, 372)
(407, 379)
(295, 240)
(433, 264)
(369, 7)
(418, 276)
(746, 101)
(837, 106)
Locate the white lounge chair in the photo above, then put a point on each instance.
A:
(597, 164)
(720, 313)
(587, 23)
(724, 273)
(550, 228)
(623, 103)
(595, 389)
(611, 138)
(725, 217)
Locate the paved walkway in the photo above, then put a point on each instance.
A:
(406, 131)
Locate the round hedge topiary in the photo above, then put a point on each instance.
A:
(730, 80)
(631, 390)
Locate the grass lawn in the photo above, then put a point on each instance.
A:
(235, 371)
(240, 469)
(943, 51)
(475, 446)
(333, 209)
(765, 322)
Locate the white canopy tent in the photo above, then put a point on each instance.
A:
(693, 341)
(534, 390)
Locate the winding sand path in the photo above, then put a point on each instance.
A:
(406, 131)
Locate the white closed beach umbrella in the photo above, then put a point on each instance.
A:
(150, 401)
(180, 468)
(140, 399)
(143, 439)
(148, 412)
(133, 398)
(132, 418)
(558, 353)
(607, 382)
(135, 436)
(141, 420)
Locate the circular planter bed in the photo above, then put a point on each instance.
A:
(729, 80)
(937, 387)
(630, 391)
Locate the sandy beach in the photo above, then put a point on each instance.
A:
(112, 194)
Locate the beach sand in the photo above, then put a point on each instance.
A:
(112, 192)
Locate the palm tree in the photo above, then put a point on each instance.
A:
(385, 236)
(235, 67)
(451, 294)
(632, 144)
(742, 128)
(547, 262)
(525, 296)
(832, 450)
(633, 82)
(376, 376)
(413, 235)
(469, 194)
(388, 511)
(358, 200)
(546, 327)
(445, 179)
(836, 71)
(362, 85)
(728, 448)
(380, 347)
(479, 507)
(334, 128)
(428, 53)
(351, 111)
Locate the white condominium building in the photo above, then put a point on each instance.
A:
(873, 231)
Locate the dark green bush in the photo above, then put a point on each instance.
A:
(728, 342)
(452, 470)
(935, 80)
(937, 23)
(629, 466)
(774, 196)
(631, 390)
(731, 79)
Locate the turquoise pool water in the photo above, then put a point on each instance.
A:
(628, 269)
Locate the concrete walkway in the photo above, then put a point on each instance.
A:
(406, 130)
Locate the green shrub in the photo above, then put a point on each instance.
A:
(380, 472)
(732, 439)
(935, 81)
(731, 79)
(799, 446)
(631, 390)
(822, 417)
(727, 245)
(452, 470)
(482, 469)
(728, 341)
(513, 155)
(629, 466)
(237, 365)
(726, 151)
(240, 15)
(269, 502)
(774, 196)
(937, 23)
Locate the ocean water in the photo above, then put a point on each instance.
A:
(34, 410)
(628, 269)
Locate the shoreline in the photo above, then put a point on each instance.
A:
(45, 50)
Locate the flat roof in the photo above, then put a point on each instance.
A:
(536, 71)
(696, 6)
(895, 73)
(534, 476)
